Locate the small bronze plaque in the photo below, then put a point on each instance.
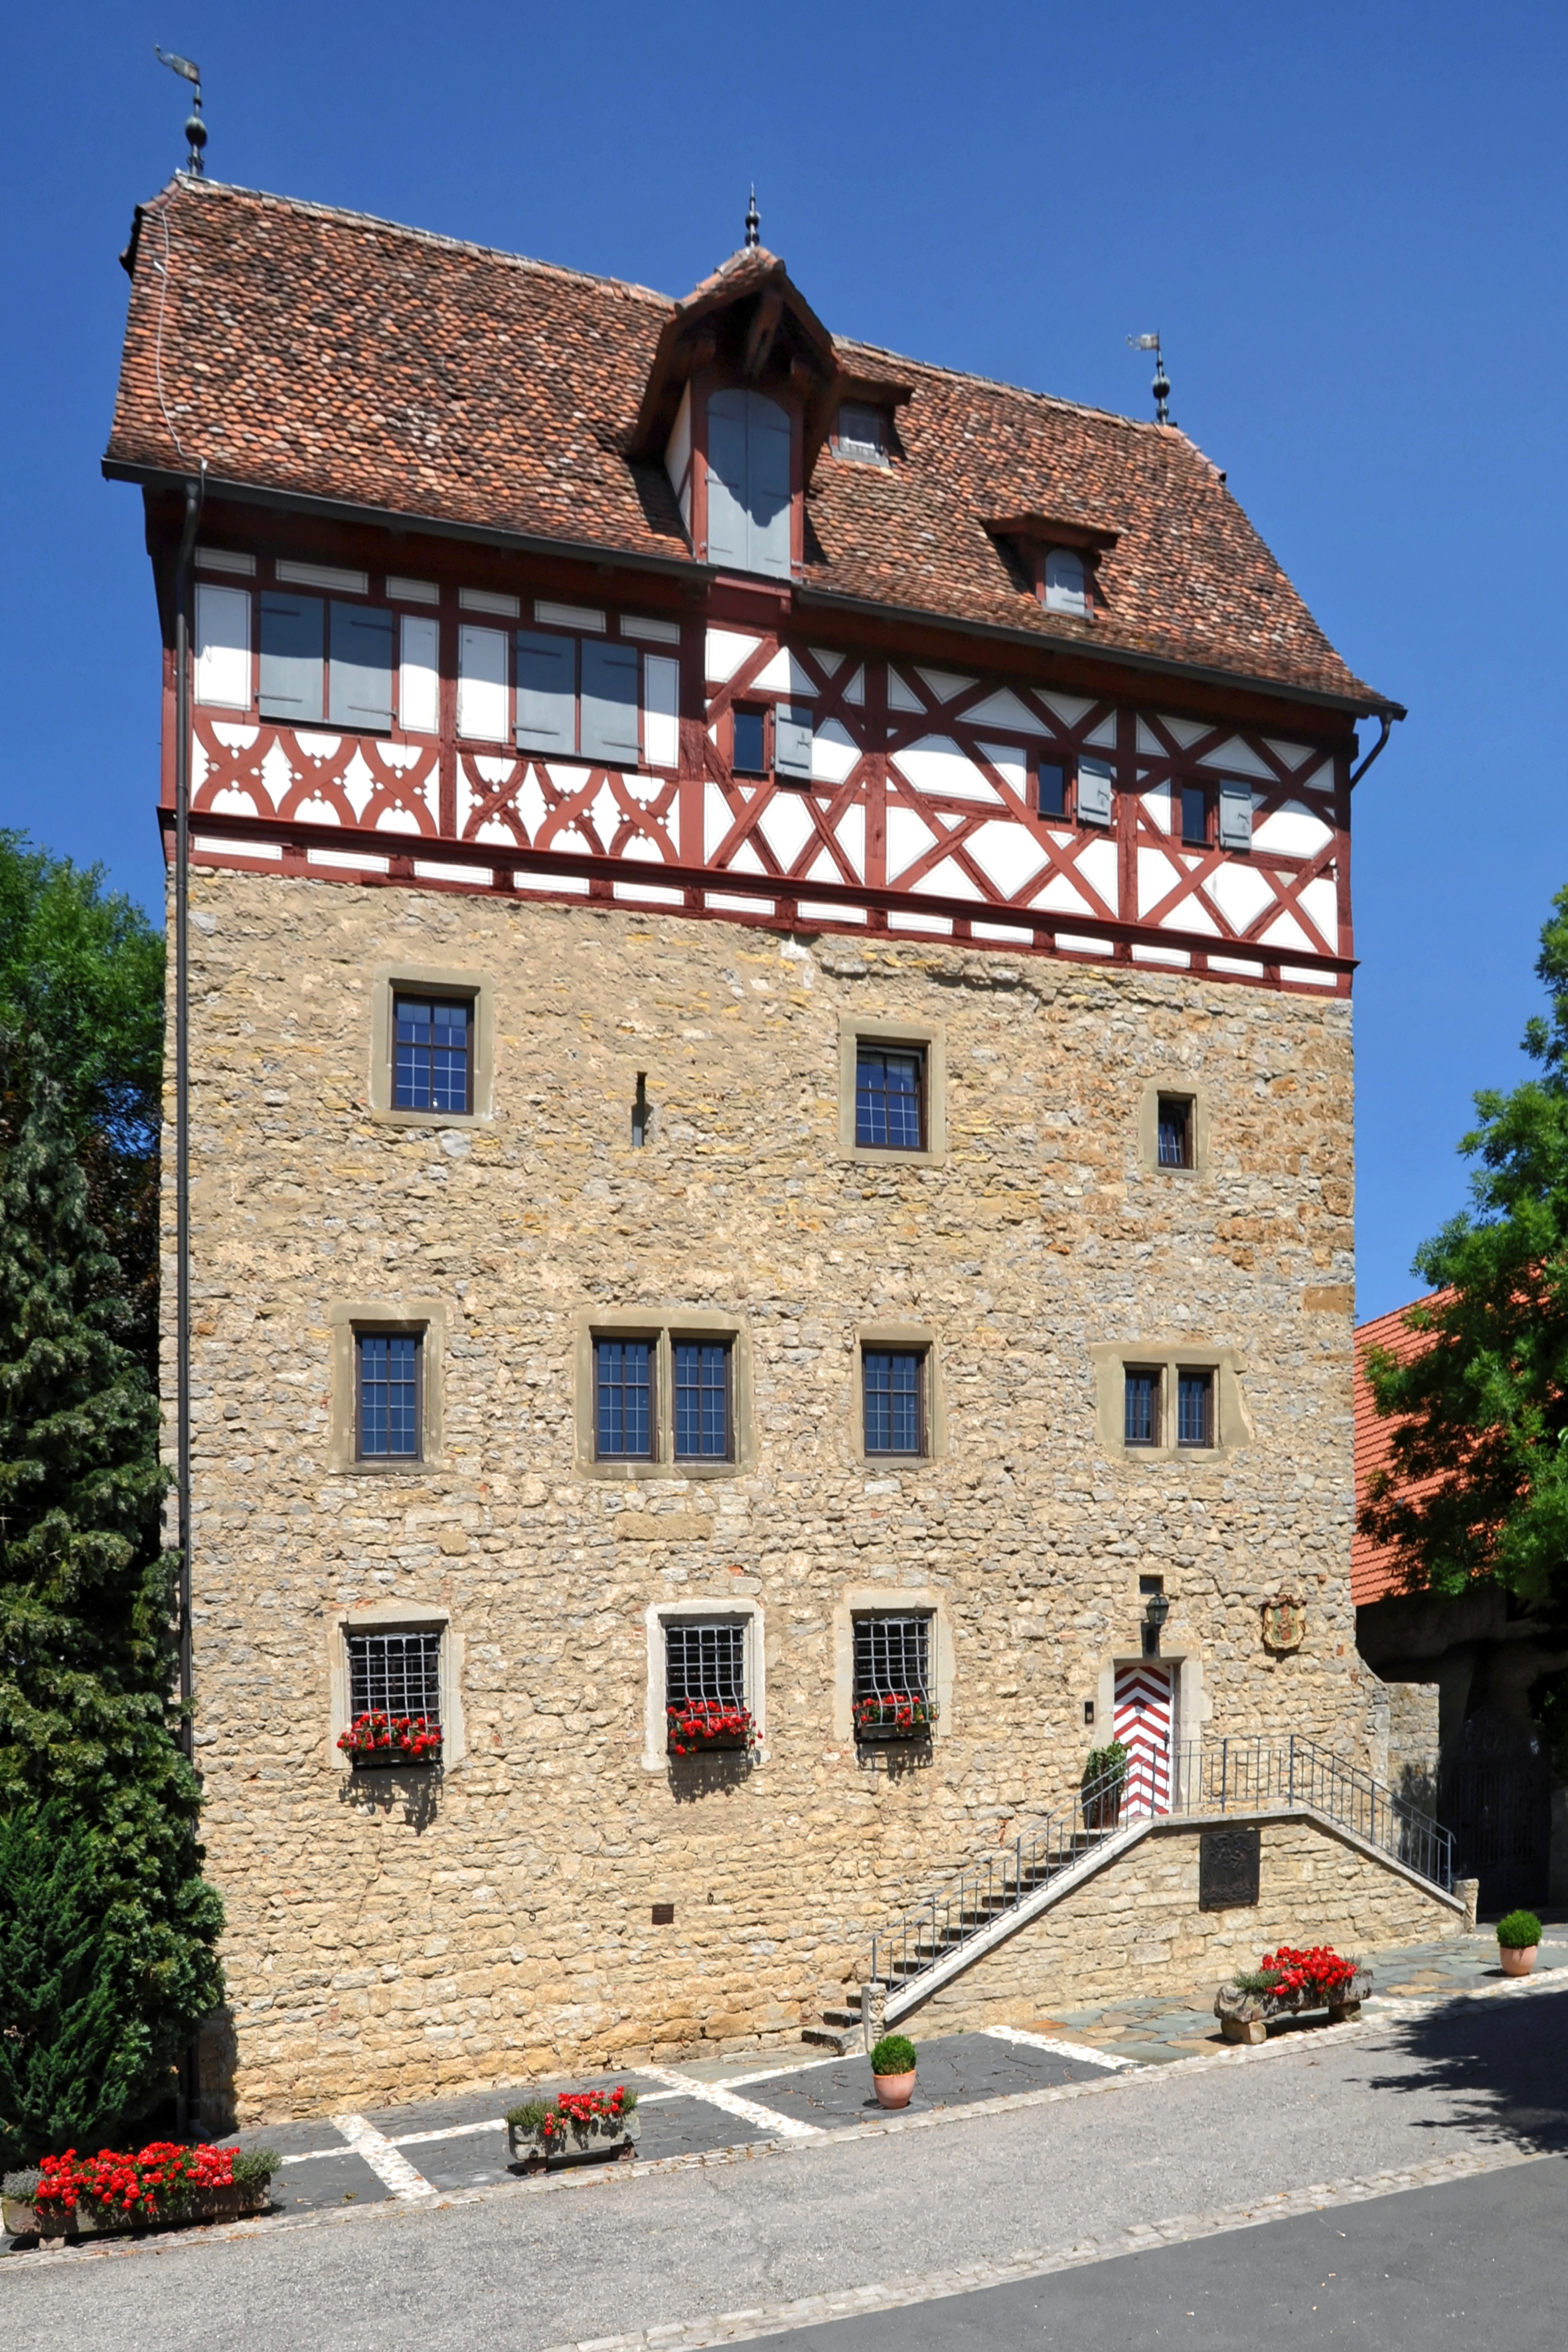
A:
(664, 1914)
(1228, 1869)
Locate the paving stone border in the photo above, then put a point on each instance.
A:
(1383, 2010)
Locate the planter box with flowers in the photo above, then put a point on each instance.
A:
(1286, 1982)
(163, 2185)
(573, 2126)
(375, 1741)
(699, 1727)
(895, 1715)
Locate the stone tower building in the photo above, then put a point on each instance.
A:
(770, 1130)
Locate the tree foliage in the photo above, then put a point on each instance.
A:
(1478, 1480)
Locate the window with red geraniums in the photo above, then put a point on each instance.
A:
(158, 2178)
(705, 1685)
(380, 1738)
(891, 1698)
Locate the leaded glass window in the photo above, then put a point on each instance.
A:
(623, 1399)
(432, 1053)
(1194, 1408)
(1142, 1426)
(889, 1098)
(388, 1401)
(894, 1399)
(701, 1401)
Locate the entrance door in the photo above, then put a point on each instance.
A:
(1143, 1709)
(1495, 1795)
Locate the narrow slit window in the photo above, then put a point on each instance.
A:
(1175, 1131)
(395, 1675)
(1141, 1422)
(894, 1385)
(433, 1057)
(751, 757)
(1194, 1409)
(1052, 789)
(388, 1383)
(624, 1399)
(890, 1099)
(704, 1662)
(703, 1420)
(1195, 814)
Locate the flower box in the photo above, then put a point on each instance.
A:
(52, 2221)
(1308, 1981)
(700, 1727)
(894, 1714)
(164, 2186)
(573, 2129)
(376, 1742)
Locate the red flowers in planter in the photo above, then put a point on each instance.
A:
(582, 2107)
(1320, 1971)
(379, 1738)
(695, 1723)
(895, 1711)
(134, 2184)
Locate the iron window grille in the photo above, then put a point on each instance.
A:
(894, 1390)
(624, 1399)
(892, 1697)
(395, 1697)
(890, 1098)
(1175, 1131)
(705, 1685)
(1141, 1425)
(432, 1053)
(388, 1366)
(1194, 1408)
(703, 1419)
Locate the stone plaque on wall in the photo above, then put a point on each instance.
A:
(1228, 1869)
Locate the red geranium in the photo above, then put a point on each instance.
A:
(583, 2107)
(1320, 1971)
(162, 2174)
(397, 1739)
(894, 1711)
(693, 1722)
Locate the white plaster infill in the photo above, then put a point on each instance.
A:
(916, 1990)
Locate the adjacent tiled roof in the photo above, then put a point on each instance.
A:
(331, 355)
(1374, 1574)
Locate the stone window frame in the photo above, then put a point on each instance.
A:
(907, 1337)
(1182, 1085)
(395, 1617)
(662, 1324)
(732, 1608)
(346, 1319)
(929, 1037)
(393, 980)
(1111, 1360)
(890, 1600)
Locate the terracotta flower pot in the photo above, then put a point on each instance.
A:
(1517, 1960)
(894, 2090)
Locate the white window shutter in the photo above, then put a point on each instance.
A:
(223, 646)
(481, 684)
(660, 710)
(1236, 816)
(419, 681)
(791, 741)
(1094, 790)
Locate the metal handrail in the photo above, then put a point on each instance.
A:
(1208, 1777)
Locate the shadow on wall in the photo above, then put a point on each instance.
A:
(418, 1790)
(1504, 2066)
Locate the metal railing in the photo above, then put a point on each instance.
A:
(1223, 1775)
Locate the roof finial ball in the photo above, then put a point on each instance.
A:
(1161, 387)
(195, 129)
(753, 222)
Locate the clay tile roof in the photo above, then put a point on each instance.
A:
(1374, 1574)
(329, 355)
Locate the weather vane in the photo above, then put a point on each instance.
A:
(195, 129)
(1161, 387)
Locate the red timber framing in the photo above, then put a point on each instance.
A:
(921, 818)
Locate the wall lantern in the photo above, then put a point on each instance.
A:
(1156, 1608)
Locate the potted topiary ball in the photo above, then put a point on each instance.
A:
(1517, 1940)
(893, 2070)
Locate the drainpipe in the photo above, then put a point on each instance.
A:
(1386, 725)
(194, 490)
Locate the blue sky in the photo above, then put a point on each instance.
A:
(1346, 222)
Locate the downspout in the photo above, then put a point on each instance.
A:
(1385, 722)
(195, 491)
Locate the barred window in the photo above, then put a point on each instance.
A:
(892, 1657)
(432, 1053)
(890, 1098)
(623, 1404)
(702, 1417)
(395, 1675)
(1194, 1409)
(894, 1384)
(387, 1369)
(1142, 1426)
(1175, 1131)
(704, 1661)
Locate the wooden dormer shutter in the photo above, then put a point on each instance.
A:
(749, 468)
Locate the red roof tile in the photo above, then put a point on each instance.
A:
(329, 355)
(1375, 1574)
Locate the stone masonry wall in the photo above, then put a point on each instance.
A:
(391, 1935)
(1135, 1927)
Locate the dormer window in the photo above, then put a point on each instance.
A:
(861, 434)
(749, 469)
(1064, 586)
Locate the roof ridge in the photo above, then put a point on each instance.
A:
(1022, 392)
(189, 184)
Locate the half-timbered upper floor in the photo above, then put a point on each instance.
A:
(513, 580)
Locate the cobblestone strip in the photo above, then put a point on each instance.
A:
(1059, 2048)
(765, 2118)
(812, 2311)
(382, 2158)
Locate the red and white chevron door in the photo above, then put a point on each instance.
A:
(1144, 1727)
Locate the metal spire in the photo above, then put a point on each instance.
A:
(753, 221)
(1161, 387)
(195, 129)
